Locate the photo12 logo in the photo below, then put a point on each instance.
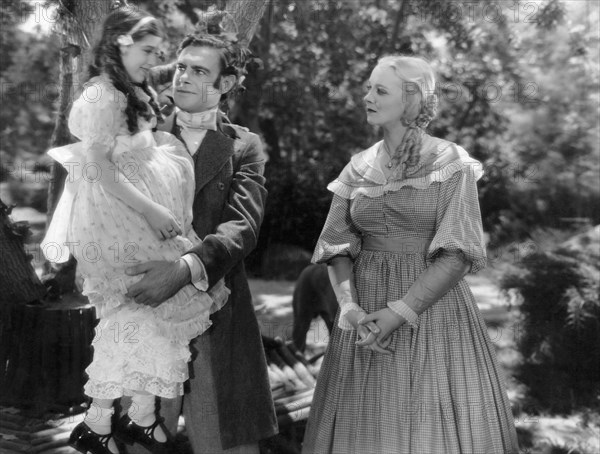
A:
(92, 252)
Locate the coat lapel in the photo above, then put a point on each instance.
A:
(214, 151)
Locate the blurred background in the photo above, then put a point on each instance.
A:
(518, 83)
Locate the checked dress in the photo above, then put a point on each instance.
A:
(441, 390)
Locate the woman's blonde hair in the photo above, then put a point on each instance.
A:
(418, 79)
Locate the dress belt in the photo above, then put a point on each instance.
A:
(400, 245)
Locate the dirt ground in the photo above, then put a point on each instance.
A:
(544, 434)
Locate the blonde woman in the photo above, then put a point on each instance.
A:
(409, 367)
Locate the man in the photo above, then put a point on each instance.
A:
(228, 407)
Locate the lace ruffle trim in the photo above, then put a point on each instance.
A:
(362, 177)
(343, 322)
(150, 360)
(132, 383)
(181, 318)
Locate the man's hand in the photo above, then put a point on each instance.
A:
(160, 282)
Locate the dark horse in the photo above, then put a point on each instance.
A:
(313, 296)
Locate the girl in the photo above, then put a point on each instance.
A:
(128, 198)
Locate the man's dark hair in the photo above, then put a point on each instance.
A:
(230, 56)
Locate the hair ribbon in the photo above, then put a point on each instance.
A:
(127, 40)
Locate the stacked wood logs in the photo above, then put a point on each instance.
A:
(293, 379)
(22, 433)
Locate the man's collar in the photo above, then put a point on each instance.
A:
(223, 123)
(212, 109)
(198, 121)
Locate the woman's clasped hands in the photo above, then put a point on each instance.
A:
(375, 330)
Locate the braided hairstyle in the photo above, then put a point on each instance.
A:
(418, 79)
(107, 58)
(232, 57)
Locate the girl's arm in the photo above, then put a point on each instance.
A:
(162, 221)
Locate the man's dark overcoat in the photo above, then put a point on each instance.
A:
(228, 211)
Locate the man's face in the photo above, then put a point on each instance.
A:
(194, 82)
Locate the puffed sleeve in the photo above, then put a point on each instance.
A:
(339, 236)
(97, 115)
(458, 221)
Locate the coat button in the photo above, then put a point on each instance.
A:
(221, 185)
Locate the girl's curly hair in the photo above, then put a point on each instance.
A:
(106, 57)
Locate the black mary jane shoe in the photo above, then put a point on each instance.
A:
(85, 440)
(129, 433)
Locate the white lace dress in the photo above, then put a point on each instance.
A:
(137, 347)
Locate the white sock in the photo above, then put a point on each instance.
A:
(98, 419)
(142, 409)
(142, 412)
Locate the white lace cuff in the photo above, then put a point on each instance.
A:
(403, 310)
(345, 307)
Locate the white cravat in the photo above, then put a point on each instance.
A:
(194, 126)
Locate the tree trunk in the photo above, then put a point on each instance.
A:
(399, 20)
(79, 22)
(247, 108)
(247, 15)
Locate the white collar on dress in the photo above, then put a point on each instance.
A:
(440, 160)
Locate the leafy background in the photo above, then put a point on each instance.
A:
(518, 84)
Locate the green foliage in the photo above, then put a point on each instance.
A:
(29, 88)
(560, 326)
(497, 99)
(319, 57)
(554, 130)
(517, 90)
(311, 98)
(283, 262)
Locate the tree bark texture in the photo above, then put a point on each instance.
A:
(247, 15)
(79, 22)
